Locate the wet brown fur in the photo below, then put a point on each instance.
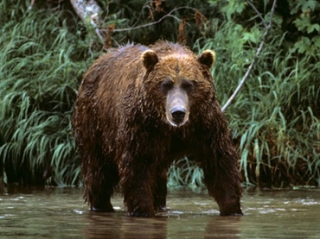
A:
(124, 138)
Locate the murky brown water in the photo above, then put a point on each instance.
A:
(61, 213)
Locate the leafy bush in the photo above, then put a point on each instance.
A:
(275, 118)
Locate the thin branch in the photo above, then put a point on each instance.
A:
(85, 8)
(259, 14)
(245, 77)
(153, 23)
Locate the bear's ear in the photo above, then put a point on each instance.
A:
(149, 59)
(207, 58)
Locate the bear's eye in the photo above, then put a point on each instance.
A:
(187, 85)
(166, 85)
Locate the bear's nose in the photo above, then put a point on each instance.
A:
(178, 114)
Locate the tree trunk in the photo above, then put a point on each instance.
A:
(87, 10)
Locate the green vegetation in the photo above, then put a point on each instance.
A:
(42, 63)
(274, 120)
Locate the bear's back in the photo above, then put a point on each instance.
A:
(164, 48)
(113, 73)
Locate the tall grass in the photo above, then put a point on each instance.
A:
(185, 172)
(41, 66)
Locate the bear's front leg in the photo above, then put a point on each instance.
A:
(137, 188)
(225, 189)
(222, 179)
(160, 189)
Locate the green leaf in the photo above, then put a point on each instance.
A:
(313, 27)
(302, 23)
(234, 6)
(308, 4)
(303, 45)
(316, 41)
(304, 5)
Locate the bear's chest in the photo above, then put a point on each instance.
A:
(184, 145)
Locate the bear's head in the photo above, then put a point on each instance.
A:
(178, 84)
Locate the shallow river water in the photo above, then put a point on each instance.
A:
(61, 213)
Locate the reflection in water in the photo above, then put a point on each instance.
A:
(225, 227)
(61, 213)
(120, 226)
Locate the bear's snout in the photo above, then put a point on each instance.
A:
(178, 114)
(177, 107)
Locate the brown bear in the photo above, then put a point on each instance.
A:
(138, 109)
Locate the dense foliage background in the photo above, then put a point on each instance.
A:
(46, 49)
